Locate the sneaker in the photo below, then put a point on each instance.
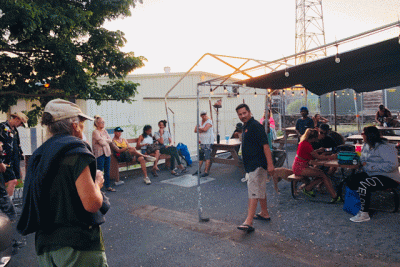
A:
(337, 200)
(361, 217)
(204, 175)
(150, 158)
(308, 193)
(147, 180)
(196, 172)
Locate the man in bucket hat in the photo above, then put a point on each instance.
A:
(13, 154)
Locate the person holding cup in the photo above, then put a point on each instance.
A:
(64, 202)
(238, 131)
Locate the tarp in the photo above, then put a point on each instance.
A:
(366, 69)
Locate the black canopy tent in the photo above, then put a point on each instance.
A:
(366, 69)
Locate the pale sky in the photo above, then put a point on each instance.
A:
(176, 33)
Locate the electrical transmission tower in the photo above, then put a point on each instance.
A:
(310, 32)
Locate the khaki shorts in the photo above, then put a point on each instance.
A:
(257, 183)
(67, 256)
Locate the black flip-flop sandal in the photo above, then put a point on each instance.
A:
(110, 189)
(261, 218)
(246, 227)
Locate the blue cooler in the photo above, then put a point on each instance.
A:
(348, 158)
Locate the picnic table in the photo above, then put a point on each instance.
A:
(388, 131)
(382, 128)
(358, 137)
(231, 146)
(289, 136)
(335, 163)
(290, 130)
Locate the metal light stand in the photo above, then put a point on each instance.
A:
(200, 207)
(217, 106)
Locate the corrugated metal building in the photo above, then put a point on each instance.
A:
(149, 107)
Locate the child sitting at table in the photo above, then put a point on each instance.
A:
(301, 167)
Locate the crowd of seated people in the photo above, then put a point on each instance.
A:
(148, 148)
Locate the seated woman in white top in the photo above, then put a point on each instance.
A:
(164, 138)
(145, 140)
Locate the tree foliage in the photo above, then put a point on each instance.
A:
(62, 44)
(294, 107)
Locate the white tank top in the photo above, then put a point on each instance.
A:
(147, 140)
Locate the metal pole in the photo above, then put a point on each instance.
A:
(173, 124)
(200, 207)
(284, 130)
(357, 116)
(305, 97)
(319, 104)
(334, 108)
(266, 114)
(330, 107)
(362, 109)
(385, 92)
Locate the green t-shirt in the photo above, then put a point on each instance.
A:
(71, 221)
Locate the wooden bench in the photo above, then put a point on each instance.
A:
(294, 179)
(115, 165)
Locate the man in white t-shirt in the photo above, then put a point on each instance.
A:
(206, 137)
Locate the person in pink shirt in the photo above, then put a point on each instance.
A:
(271, 119)
(101, 141)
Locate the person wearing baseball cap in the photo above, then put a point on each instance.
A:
(125, 153)
(63, 170)
(304, 122)
(9, 136)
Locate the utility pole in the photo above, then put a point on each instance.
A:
(310, 30)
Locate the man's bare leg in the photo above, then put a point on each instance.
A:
(207, 168)
(264, 208)
(11, 186)
(251, 212)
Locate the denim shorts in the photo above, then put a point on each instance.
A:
(205, 152)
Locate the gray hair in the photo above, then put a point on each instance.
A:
(59, 127)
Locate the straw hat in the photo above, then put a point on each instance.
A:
(22, 117)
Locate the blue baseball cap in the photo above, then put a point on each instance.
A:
(303, 109)
(118, 129)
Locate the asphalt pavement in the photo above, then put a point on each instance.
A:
(158, 225)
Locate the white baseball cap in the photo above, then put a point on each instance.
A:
(61, 109)
(203, 112)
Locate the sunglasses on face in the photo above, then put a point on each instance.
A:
(323, 133)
